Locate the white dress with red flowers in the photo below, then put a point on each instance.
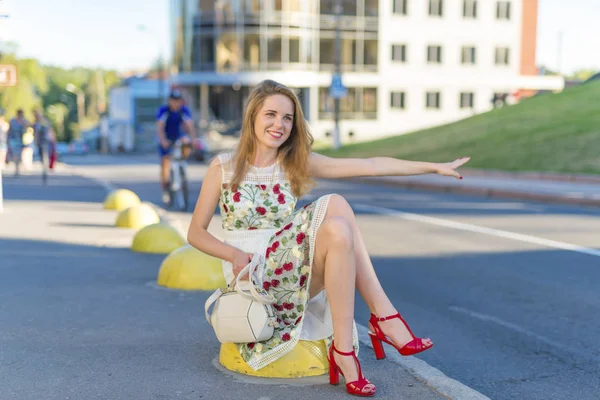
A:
(259, 217)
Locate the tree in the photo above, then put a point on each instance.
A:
(582, 74)
(31, 83)
(44, 87)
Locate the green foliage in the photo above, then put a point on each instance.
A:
(45, 87)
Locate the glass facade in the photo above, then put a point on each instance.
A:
(233, 36)
(248, 35)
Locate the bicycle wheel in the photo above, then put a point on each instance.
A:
(171, 190)
(184, 189)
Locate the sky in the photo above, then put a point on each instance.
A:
(104, 33)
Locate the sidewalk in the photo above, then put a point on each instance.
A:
(82, 317)
(580, 190)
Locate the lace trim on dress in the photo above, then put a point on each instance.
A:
(272, 355)
(256, 175)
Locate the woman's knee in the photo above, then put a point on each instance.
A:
(338, 205)
(338, 231)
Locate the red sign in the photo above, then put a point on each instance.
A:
(8, 75)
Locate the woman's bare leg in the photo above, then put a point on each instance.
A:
(367, 283)
(334, 267)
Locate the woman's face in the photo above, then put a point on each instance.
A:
(274, 121)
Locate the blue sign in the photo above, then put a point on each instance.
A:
(337, 90)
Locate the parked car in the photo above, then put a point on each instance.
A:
(78, 147)
(62, 148)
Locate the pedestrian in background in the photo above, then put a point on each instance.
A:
(4, 127)
(16, 135)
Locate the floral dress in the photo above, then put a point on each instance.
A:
(260, 217)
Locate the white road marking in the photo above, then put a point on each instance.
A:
(477, 229)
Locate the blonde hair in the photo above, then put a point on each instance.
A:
(292, 155)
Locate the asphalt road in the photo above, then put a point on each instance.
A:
(507, 290)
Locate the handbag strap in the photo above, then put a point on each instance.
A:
(254, 295)
(210, 301)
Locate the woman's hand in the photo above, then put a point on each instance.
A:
(239, 261)
(448, 169)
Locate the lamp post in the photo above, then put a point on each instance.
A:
(161, 63)
(80, 101)
(338, 71)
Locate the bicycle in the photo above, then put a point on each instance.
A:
(177, 187)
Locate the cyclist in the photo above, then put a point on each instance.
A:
(171, 122)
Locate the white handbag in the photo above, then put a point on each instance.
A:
(242, 315)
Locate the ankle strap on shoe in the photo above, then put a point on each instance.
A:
(381, 319)
(342, 353)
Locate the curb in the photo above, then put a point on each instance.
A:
(533, 175)
(485, 192)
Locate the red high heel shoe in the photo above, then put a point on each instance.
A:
(356, 388)
(413, 347)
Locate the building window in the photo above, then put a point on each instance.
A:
(359, 103)
(400, 7)
(205, 57)
(249, 6)
(369, 103)
(432, 100)
(434, 54)
(436, 8)
(349, 7)
(274, 50)
(371, 8)
(468, 55)
(326, 51)
(466, 100)
(252, 51)
(348, 52)
(294, 50)
(399, 52)
(398, 100)
(228, 52)
(502, 56)
(470, 8)
(370, 53)
(503, 10)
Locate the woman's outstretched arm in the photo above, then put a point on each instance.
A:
(321, 166)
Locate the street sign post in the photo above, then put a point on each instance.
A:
(8, 75)
(337, 90)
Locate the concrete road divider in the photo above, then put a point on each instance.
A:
(137, 216)
(160, 238)
(120, 200)
(190, 269)
(307, 358)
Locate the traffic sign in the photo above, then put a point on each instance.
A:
(8, 75)
(337, 90)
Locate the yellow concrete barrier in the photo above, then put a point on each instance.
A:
(307, 358)
(190, 269)
(157, 238)
(120, 200)
(137, 217)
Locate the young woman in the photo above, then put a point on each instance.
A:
(314, 257)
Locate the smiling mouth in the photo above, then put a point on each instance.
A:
(276, 135)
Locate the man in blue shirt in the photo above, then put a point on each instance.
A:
(171, 122)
